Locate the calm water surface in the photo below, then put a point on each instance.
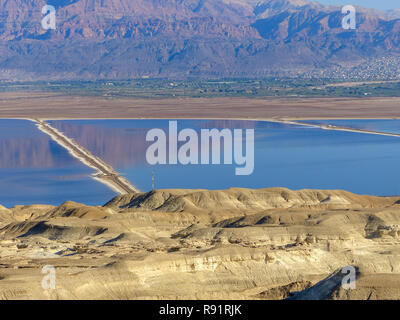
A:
(289, 156)
(36, 170)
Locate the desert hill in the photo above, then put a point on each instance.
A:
(189, 244)
(244, 200)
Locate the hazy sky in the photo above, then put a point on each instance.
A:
(377, 4)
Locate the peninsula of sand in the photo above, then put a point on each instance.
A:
(105, 172)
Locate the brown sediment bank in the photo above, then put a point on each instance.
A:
(52, 106)
(105, 172)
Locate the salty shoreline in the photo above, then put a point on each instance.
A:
(105, 173)
(337, 128)
(283, 121)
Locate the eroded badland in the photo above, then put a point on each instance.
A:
(197, 244)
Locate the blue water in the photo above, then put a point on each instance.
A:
(289, 156)
(36, 170)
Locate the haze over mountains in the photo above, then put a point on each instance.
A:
(119, 39)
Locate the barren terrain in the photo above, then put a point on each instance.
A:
(197, 244)
(56, 106)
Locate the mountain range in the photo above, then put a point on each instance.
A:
(121, 39)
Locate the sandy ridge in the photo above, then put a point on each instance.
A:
(105, 172)
(336, 128)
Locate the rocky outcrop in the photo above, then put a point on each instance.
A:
(238, 200)
(213, 38)
(199, 244)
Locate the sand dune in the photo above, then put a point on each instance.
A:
(199, 244)
(244, 200)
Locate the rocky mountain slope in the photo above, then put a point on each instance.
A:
(175, 38)
(198, 244)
